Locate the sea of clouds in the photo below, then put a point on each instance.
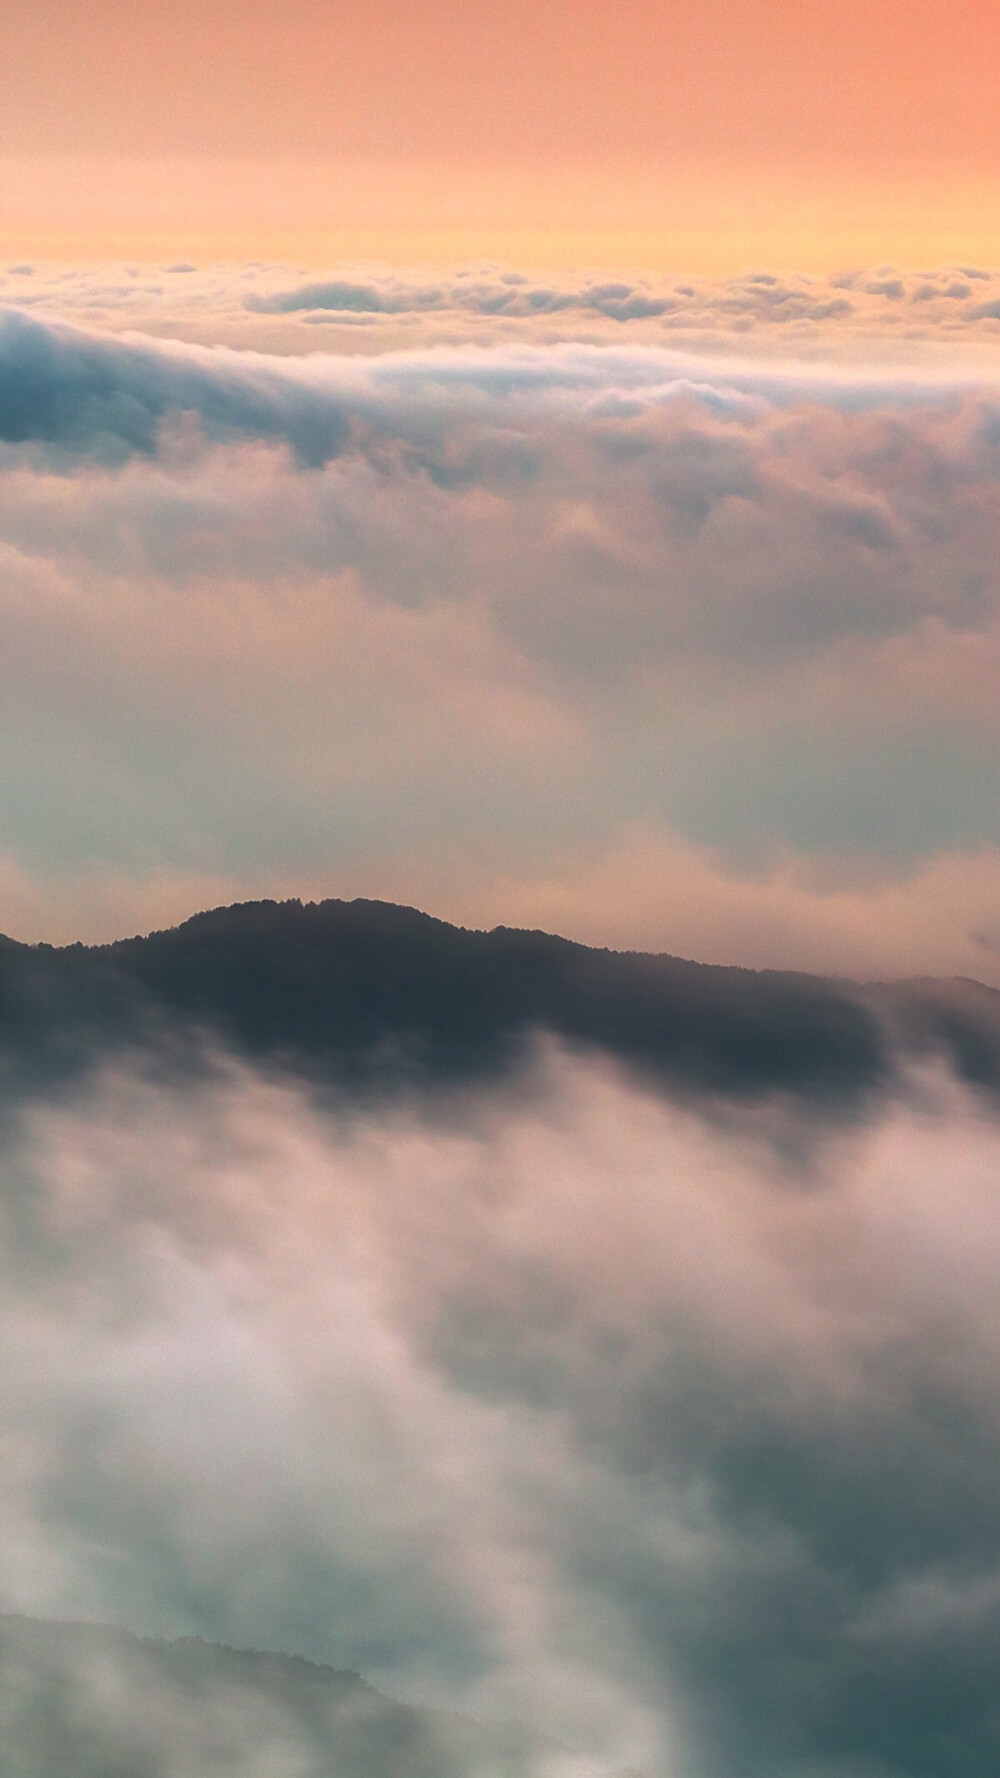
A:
(661, 647)
(663, 616)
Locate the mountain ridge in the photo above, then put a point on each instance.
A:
(376, 995)
(121, 1705)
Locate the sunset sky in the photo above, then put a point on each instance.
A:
(698, 134)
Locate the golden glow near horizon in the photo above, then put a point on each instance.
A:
(696, 135)
(687, 219)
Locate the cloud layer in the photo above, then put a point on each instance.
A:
(878, 313)
(693, 653)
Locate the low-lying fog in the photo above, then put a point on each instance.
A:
(668, 1431)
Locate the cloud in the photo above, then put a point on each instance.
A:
(850, 316)
(478, 296)
(335, 294)
(698, 1476)
(102, 398)
(275, 623)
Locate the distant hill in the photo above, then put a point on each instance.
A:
(370, 996)
(86, 1701)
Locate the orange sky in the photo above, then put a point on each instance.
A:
(803, 128)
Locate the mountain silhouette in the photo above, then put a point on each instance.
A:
(365, 995)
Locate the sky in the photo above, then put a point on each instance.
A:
(689, 136)
(538, 465)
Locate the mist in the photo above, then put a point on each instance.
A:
(667, 1430)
